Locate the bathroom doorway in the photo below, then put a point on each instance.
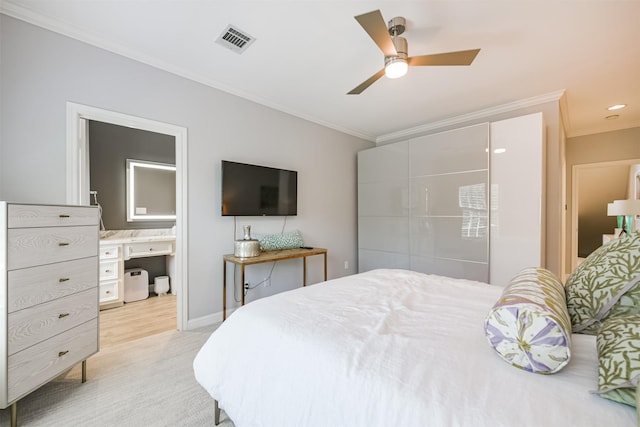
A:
(78, 178)
(594, 185)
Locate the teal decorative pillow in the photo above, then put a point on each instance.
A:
(272, 242)
(619, 358)
(605, 284)
(529, 326)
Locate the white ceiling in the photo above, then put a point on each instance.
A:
(309, 54)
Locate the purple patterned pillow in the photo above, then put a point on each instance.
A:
(529, 326)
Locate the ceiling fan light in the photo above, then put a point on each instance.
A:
(396, 67)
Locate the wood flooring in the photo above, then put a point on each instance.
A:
(137, 319)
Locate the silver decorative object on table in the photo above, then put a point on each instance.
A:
(247, 247)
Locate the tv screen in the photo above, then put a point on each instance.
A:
(252, 190)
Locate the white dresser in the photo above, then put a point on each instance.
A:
(48, 294)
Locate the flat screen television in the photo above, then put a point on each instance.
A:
(252, 190)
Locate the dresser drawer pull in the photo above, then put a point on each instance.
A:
(108, 270)
(63, 279)
(107, 253)
(64, 216)
(63, 244)
(62, 353)
(62, 315)
(107, 292)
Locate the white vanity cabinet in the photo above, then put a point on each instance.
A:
(48, 294)
(118, 246)
(111, 275)
(141, 249)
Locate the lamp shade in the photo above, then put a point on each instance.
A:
(623, 207)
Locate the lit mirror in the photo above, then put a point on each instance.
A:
(151, 191)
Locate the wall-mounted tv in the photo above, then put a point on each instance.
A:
(252, 190)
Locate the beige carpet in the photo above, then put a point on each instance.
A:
(147, 382)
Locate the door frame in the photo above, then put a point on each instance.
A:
(575, 184)
(78, 179)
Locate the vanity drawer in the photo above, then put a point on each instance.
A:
(36, 285)
(109, 270)
(21, 216)
(109, 291)
(38, 323)
(27, 247)
(109, 252)
(40, 363)
(145, 249)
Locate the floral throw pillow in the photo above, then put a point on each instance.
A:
(529, 326)
(619, 359)
(286, 240)
(605, 284)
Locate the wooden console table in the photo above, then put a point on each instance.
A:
(268, 256)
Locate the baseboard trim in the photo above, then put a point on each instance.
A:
(208, 320)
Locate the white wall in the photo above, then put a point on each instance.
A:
(40, 71)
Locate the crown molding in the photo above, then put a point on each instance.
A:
(476, 115)
(603, 129)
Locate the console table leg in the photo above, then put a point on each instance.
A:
(84, 371)
(14, 414)
(224, 290)
(325, 266)
(242, 284)
(304, 271)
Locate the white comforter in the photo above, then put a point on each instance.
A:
(389, 348)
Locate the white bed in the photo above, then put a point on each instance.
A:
(389, 348)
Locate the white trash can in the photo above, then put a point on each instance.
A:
(161, 285)
(136, 284)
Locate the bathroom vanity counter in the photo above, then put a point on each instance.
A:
(118, 246)
(131, 236)
(137, 239)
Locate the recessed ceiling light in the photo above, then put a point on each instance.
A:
(612, 117)
(616, 107)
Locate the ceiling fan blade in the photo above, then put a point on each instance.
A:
(362, 86)
(374, 25)
(461, 57)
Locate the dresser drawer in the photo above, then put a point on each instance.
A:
(28, 247)
(36, 285)
(109, 270)
(145, 249)
(109, 291)
(109, 252)
(20, 216)
(40, 363)
(38, 323)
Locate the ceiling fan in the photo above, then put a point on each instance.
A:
(394, 47)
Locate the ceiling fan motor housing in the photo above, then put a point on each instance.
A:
(401, 46)
(397, 26)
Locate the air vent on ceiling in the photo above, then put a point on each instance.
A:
(235, 39)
